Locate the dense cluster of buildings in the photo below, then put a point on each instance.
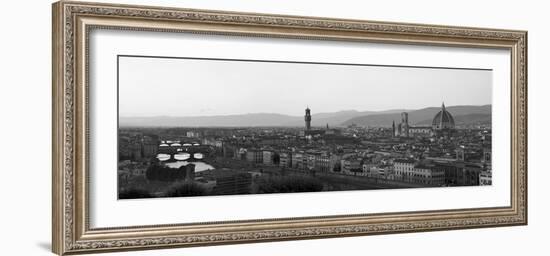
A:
(436, 155)
(136, 146)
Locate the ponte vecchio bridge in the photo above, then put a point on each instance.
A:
(181, 151)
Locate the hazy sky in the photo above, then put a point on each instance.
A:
(184, 87)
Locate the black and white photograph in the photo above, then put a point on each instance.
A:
(140, 127)
(208, 127)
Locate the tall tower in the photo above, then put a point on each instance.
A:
(393, 129)
(398, 130)
(307, 118)
(405, 124)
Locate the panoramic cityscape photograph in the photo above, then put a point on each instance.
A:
(211, 127)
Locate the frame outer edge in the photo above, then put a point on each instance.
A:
(64, 168)
(57, 246)
(525, 108)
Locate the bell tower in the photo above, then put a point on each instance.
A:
(405, 124)
(307, 118)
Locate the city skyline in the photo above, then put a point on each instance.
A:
(197, 87)
(466, 115)
(205, 161)
(299, 113)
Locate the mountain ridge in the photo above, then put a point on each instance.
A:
(420, 116)
(338, 118)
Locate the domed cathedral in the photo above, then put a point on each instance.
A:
(443, 123)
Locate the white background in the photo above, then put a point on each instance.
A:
(25, 101)
(106, 211)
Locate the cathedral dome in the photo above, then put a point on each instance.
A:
(443, 120)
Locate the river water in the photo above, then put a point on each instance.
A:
(199, 166)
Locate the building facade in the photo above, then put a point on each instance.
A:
(412, 171)
(254, 156)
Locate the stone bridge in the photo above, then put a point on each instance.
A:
(182, 151)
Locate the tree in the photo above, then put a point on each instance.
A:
(186, 189)
(287, 184)
(133, 193)
(164, 173)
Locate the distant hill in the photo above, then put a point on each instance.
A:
(479, 119)
(462, 114)
(337, 118)
(257, 119)
(333, 119)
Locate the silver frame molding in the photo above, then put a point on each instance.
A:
(72, 22)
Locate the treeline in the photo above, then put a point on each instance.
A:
(163, 173)
(288, 184)
(134, 193)
(187, 188)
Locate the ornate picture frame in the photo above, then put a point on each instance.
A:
(72, 23)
